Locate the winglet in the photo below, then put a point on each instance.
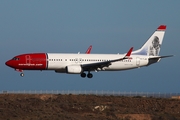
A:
(129, 53)
(89, 50)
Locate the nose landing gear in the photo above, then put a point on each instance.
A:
(19, 70)
(22, 74)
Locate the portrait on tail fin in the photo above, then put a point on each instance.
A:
(155, 47)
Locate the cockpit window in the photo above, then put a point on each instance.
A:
(15, 58)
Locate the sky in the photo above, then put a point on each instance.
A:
(71, 26)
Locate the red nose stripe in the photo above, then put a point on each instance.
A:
(32, 61)
(36, 61)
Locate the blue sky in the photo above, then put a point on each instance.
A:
(71, 26)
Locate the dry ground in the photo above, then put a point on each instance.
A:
(86, 107)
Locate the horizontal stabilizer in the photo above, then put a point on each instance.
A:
(155, 57)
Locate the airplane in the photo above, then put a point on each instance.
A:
(72, 63)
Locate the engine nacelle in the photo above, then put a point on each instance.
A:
(74, 69)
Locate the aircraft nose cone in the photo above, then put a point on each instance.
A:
(8, 63)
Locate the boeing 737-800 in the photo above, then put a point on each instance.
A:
(80, 63)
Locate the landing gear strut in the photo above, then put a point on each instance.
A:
(22, 74)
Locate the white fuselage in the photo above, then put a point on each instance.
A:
(60, 61)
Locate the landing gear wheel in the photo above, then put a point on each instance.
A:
(22, 74)
(83, 75)
(89, 75)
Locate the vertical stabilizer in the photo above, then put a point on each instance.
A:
(153, 44)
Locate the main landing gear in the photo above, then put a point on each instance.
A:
(89, 75)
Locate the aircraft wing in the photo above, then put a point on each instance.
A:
(95, 66)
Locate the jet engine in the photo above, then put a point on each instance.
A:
(74, 69)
